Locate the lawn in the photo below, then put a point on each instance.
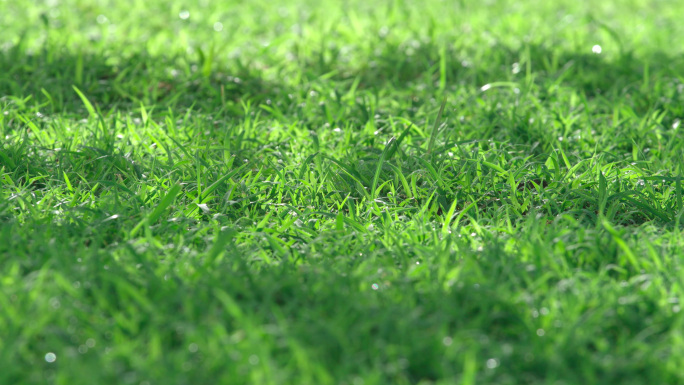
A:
(354, 193)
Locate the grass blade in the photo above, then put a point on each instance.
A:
(378, 169)
(165, 202)
(215, 185)
(86, 103)
(678, 193)
(435, 128)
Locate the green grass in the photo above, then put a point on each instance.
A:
(250, 192)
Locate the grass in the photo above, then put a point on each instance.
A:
(364, 192)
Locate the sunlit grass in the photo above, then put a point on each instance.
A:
(329, 192)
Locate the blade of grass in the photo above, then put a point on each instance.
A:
(89, 107)
(165, 202)
(378, 169)
(678, 192)
(435, 128)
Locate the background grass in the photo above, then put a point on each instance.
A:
(245, 192)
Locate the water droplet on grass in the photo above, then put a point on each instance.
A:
(184, 14)
(596, 49)
(492, 363)
(375, 286)
(51, 357)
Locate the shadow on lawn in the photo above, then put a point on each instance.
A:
(124, 83)
(179, 81)
(590, 74)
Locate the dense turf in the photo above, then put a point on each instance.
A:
(270, 193)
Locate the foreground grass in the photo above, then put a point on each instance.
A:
(236, 194)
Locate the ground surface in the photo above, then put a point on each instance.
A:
(209, 192)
